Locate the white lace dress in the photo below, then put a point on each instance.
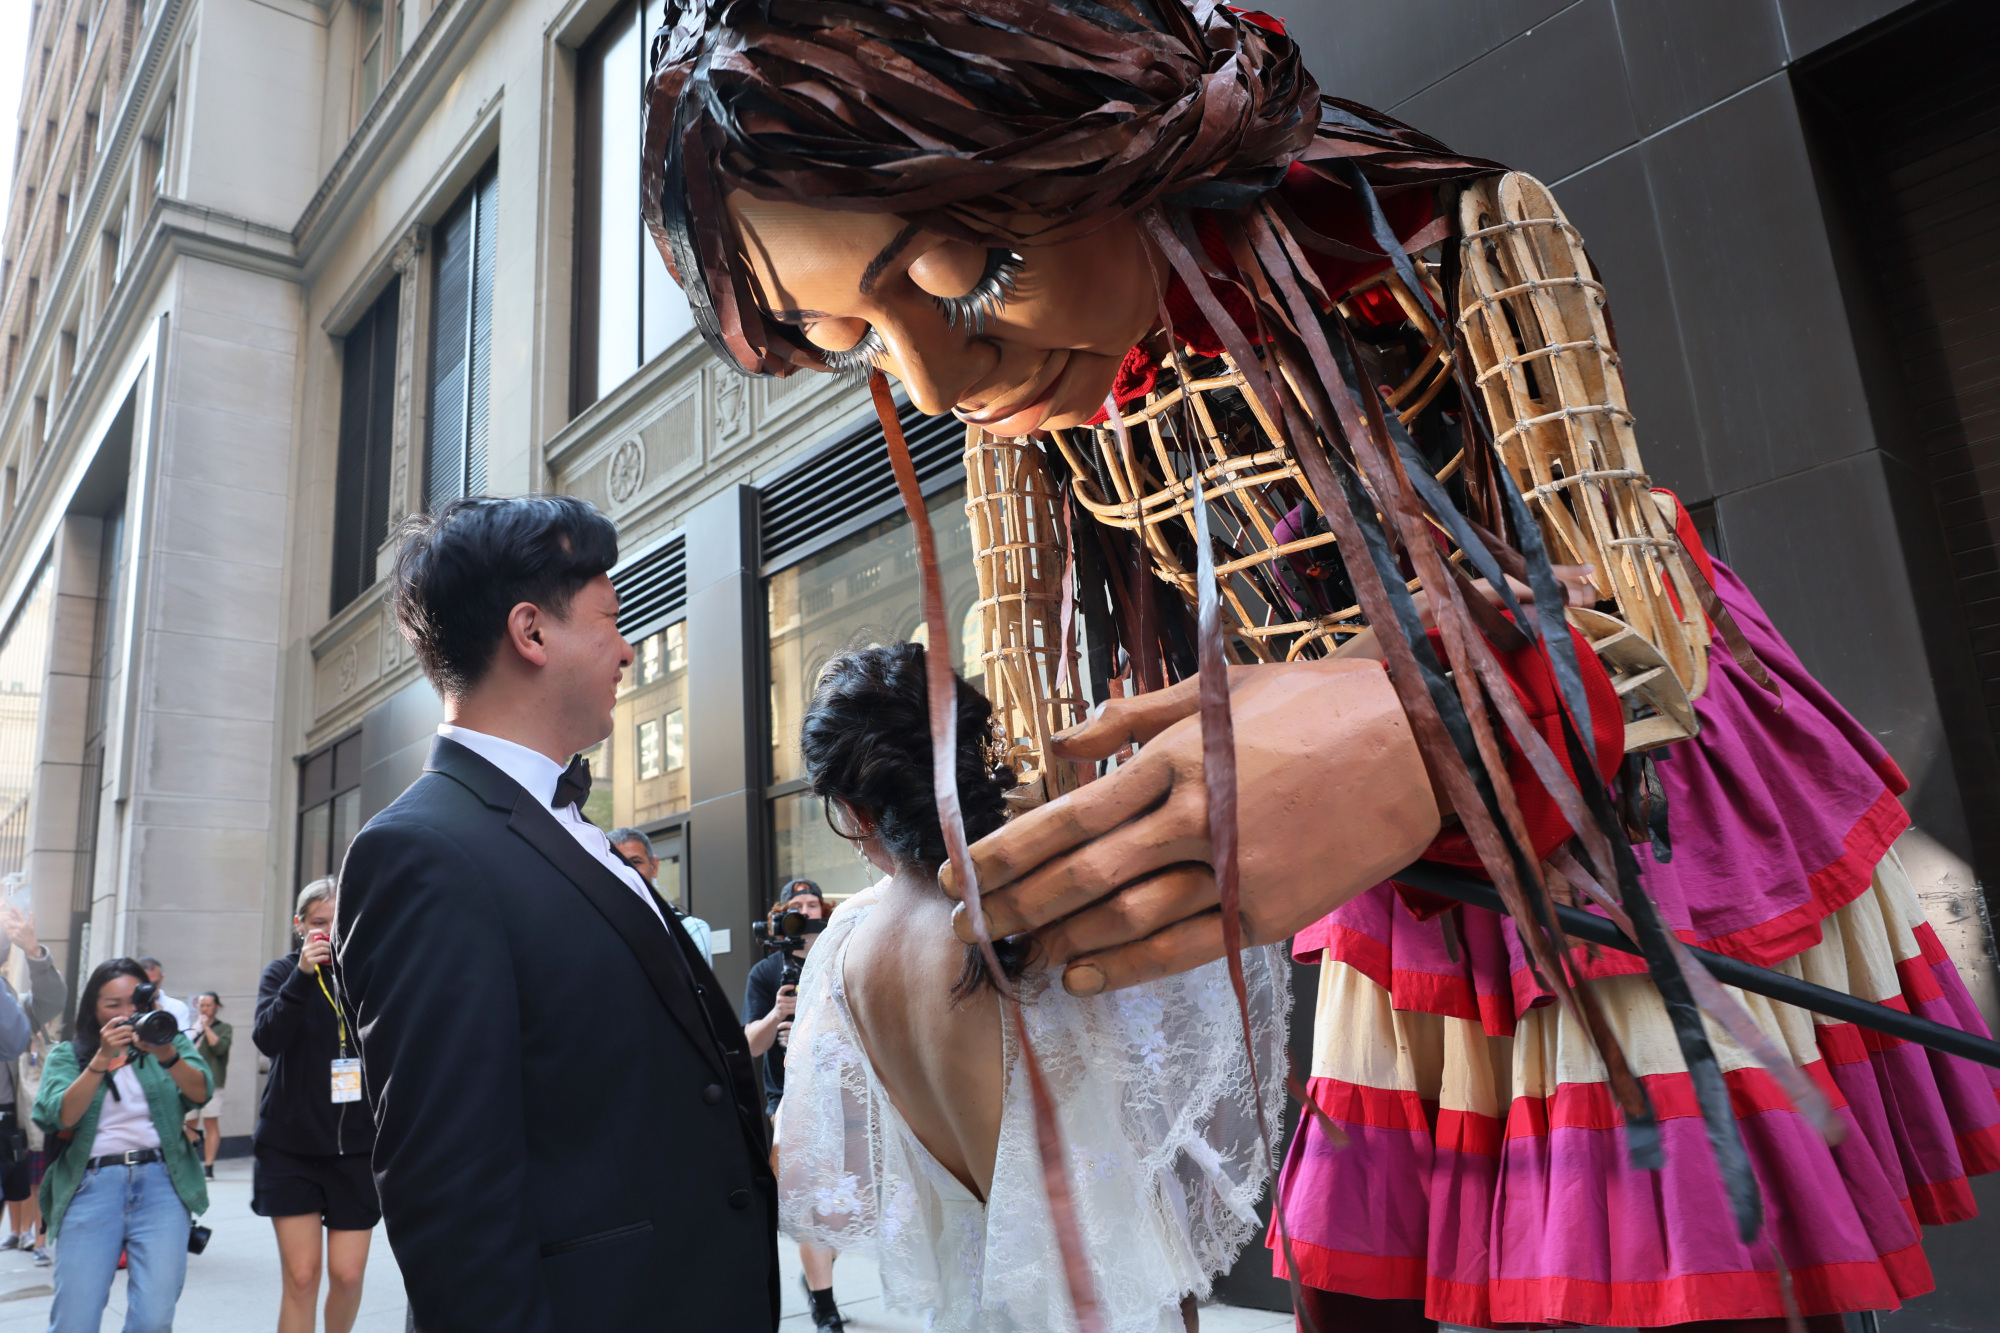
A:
(1154, 1093)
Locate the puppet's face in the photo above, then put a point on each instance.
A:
(869, 289)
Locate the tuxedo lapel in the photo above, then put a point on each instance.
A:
(651, 943)
(642, 931)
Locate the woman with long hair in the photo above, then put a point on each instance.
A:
(1037, 216)
(126, 1180)
(907, 1129)
(314, 1133)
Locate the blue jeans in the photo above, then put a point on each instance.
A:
(128, 1208)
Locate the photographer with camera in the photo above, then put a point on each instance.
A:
(124, 1178)
(771, 991)
(41, 1001)
(310, 1154)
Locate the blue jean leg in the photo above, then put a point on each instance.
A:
(133, 1209)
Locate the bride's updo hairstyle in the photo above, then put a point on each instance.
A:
(866, 742)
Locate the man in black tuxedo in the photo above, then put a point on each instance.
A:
(569, 1132)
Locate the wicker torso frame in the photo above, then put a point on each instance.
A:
(1540, 353)
(1031, 674)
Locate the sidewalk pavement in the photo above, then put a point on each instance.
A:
(233, 1286)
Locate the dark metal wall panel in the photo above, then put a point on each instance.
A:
(1684, 55)
(1552, 101)
(1379, 53)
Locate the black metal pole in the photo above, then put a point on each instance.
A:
(1456, 884)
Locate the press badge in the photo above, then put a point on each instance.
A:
(347, 1080)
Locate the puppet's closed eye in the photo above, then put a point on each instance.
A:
(962, 295)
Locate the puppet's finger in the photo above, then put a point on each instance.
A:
(1179, 948)
(1070, 882)
(1029, 840)
(1133, 913)
(1123, 722)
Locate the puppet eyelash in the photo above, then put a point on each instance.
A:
(857, 361)
(993, 290)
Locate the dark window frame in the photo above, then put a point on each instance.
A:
(364, 453)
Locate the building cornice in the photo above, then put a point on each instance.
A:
(413, 77)
(142, 76)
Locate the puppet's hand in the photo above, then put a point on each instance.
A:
(1113, 878)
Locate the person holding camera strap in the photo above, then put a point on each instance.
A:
(771, 991)
(310, 1168)
(128, 1180)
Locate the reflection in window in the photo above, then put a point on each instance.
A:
(808, 848)
(628, 310)
(649, 749)
(860, 592)
(640, 773)
(329, 808)
(24, 661)
(676, 739)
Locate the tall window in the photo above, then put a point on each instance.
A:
(24, 654)
(374, 55)
(627, 309)
(856, 593)
(640, 772)
(461, 343)
(367, 414)
(329, 808)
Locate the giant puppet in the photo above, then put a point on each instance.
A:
(1223, 342)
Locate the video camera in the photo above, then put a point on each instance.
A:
(153, 1027)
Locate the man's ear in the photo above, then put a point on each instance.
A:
(527, 632)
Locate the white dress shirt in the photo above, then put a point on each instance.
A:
(538, 775)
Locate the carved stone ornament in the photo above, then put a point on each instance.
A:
(626, 471)
(348, 669)
(732, 406)
(392, 642)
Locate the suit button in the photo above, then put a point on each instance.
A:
(739, 1198)
(712, 1093)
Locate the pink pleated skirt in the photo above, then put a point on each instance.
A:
(1486, 1174)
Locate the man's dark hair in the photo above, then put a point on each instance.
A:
(462, 568)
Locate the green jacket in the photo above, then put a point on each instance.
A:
(163, 1096)
(217, 1056)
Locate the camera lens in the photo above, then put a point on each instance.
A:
(156, 1028)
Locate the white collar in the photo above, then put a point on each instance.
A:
(535, 771)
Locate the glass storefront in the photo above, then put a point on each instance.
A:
(24, 658)
(639, 774)
(857, 594)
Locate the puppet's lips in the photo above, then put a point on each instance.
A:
(1023, 418)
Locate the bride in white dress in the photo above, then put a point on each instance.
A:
(907, 1131)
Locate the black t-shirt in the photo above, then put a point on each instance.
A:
(760, 997)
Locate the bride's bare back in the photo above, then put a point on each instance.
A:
(941, 1061)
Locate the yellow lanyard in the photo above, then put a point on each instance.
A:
(319, 975)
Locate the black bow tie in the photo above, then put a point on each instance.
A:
(573, 787)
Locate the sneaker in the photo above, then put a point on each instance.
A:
(42, 1256)
(209, 1170)
(12, 1241)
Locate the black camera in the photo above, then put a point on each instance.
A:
(786, 931)
(153, 1027)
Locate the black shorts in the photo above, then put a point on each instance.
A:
(338, 1190)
